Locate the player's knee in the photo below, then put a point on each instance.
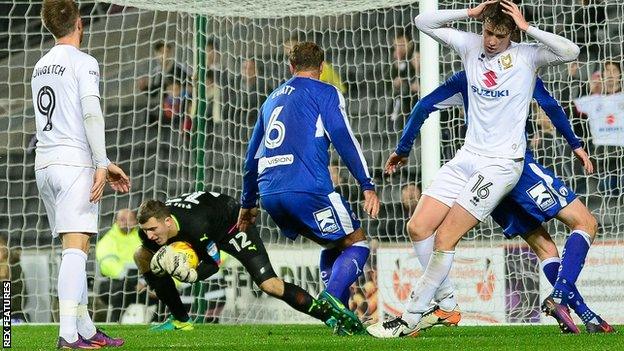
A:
(273, 287)
(592, 225)
(417, 231)
(587, 223)
(442, 244)
(142, 258)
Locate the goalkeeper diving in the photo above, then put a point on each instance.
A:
(207, 221)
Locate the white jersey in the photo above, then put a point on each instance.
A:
(606, 117)
(500, 88)
(60, 79)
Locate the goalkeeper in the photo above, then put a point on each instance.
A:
(207, 221)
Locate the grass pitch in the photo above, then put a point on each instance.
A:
(312, 337)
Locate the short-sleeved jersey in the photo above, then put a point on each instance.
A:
(204, 219)
(606, 117)
(288, 151)
(60, 79)
(500, 89)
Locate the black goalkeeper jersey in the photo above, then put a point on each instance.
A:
(204, 220)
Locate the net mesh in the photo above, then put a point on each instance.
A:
(178, 117)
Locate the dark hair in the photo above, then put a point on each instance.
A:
(152, 208)
(400, 32)
(161, 44)
(493, 14)
(612, 63)
(305, 56)
(59, 16)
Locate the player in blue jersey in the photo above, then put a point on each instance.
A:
(538, 197)
(287, 165)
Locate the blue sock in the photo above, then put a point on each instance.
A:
(347, 268)
(326, 262)
(550, 267)
(573, 258)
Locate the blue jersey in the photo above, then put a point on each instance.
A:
(538, 195)
(288, 151)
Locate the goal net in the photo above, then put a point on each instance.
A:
(182, 82)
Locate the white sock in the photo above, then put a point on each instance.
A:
(437, 270)
(445, 295)
(71, 279)
(85, 325)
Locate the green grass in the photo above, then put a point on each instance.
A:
(312, 337)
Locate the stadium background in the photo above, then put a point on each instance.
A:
(167, 156)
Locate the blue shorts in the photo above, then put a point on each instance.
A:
(537, 197)
(321, 218)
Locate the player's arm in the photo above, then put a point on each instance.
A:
(555, 113)
(250, 170)
(249, 198)
(88, 77)
(556, 49)
(334, 118)
(557, 116)
(337, 126)
(421, 111)
(433, 23)
(426, 106)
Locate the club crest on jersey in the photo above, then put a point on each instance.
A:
(326, 221)
(505, 61)
(542, 197)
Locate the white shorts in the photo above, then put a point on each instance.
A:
(477, 183)
(65, 191)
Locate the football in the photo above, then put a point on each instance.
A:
(187, 249)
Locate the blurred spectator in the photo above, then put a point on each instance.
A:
(252, 90)
(11, 269)
(410, 195)
(114, 253)
(605, 116)
(213, 56)
(176, 100)
(165, 69)
(404, 72)
(328, 74)
(213, 99)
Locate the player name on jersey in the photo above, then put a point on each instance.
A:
(49, 69)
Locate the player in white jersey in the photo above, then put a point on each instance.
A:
(501, 77)
(71, 167)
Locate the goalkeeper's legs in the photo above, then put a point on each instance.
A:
(165, 290)
(296, 298)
